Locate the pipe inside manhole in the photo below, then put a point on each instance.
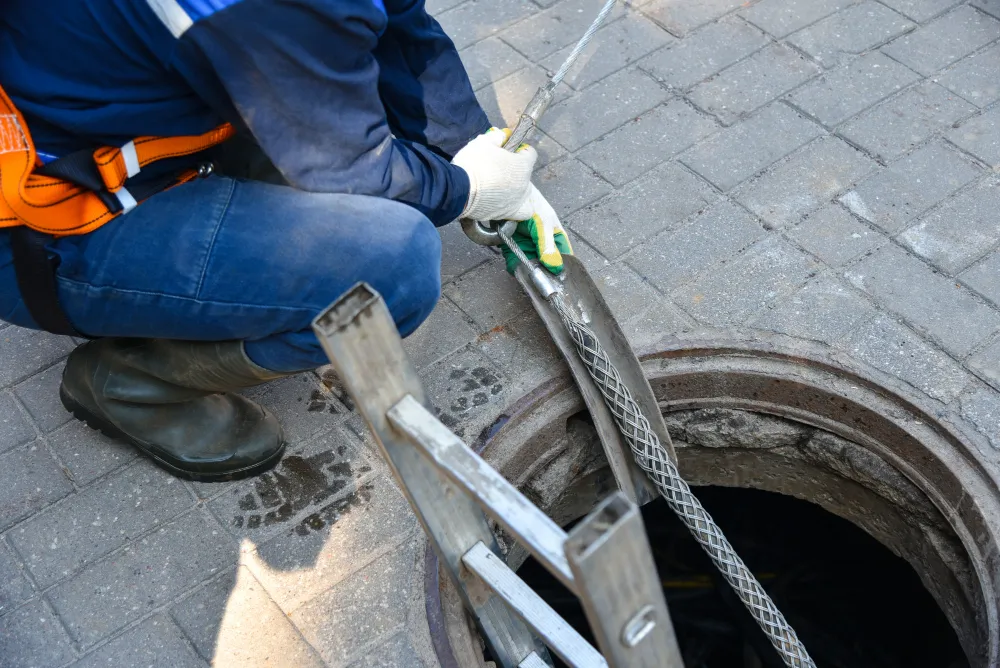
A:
(793, 432)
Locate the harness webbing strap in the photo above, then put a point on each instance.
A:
(36, 279)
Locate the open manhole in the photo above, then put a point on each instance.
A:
(870, 516)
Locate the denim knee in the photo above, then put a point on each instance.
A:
(418, 281)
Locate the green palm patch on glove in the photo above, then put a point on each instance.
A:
(531, 238)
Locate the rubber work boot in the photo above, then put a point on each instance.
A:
(171, 400)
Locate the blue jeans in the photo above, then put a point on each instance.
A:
(221, 259)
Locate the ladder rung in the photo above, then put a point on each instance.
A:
(532, 528)
(529, 606)
(533, 661)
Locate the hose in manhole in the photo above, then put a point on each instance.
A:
(853, 603)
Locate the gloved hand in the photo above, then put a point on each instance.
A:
(500, 181)
(541, 237)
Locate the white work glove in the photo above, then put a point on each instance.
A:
(499, 181)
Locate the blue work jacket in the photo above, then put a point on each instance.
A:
(348, 96)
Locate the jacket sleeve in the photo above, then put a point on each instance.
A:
(303, 76)
(423, 83)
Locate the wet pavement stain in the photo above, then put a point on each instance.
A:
(298, 483)
(332, 513)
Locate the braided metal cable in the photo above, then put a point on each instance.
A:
(654, 460)
(584, 41)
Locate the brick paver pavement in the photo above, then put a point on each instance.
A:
(828, 169)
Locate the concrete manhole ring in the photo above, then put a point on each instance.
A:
(786, 416)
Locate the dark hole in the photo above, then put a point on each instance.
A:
(852, 602)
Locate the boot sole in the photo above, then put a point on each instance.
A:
(97, 423)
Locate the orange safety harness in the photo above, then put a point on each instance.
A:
(73, 195)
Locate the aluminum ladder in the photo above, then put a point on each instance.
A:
(605, 560)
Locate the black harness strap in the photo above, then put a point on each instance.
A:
(36, 279)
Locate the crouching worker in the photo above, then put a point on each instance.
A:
(188, 184)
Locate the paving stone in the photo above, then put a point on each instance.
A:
(398, 651)
(14, 586)
(466, 389)
(834, 236)
(146, 574)
(25, 352)
(154, 643)
(991, 7)
(944, 40)
(40, 395)
(851, 31)
(656, 202)
(615, 46)
(659, 319)
(304, 406)
(987, 364)
(783, 17)
(321, 474)
(87, 454)
(299, 565)
(368, 606)
(703, 53)
(931, 302)
(33, 638)
(852, 88)
(980, 136)
(984, 277)
(474, 20)
(749, 84)
(921, 10)
(822, 310)
(444, 332)
(641, 144)
(601, 108)
(233, 622)
(900, 123)
(29, 480)
(731, 293)
(569, 185)
(960, 232)
(676, 257)
(681, 17)
(625, 291)
(490, 60)
(807, 179)
(898, 194)
(739, 152)
(14, 430)
(895, 350)
(435, 7)
(488, 295)
(974, 78)
(981, 407)
(98, 520)
(554, 28)
(523, 349)
(458, 253)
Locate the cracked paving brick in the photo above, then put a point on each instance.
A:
(891, 198)
(703, 53)
(741, 88)
(656, 202)
(804, 181)
(677, 257)
(834, 236)
(852, 88)
(615, 46)
(623, 96)
(851, 31)
(895, 350)
(682, 17)
(952, 245)
(927, 300)
(645, 142)
(944, 40)
(897, 125)
(740, 151)
(984, 277)
(782, 17)
(730, 293)
(980, 136)
(975, 78)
